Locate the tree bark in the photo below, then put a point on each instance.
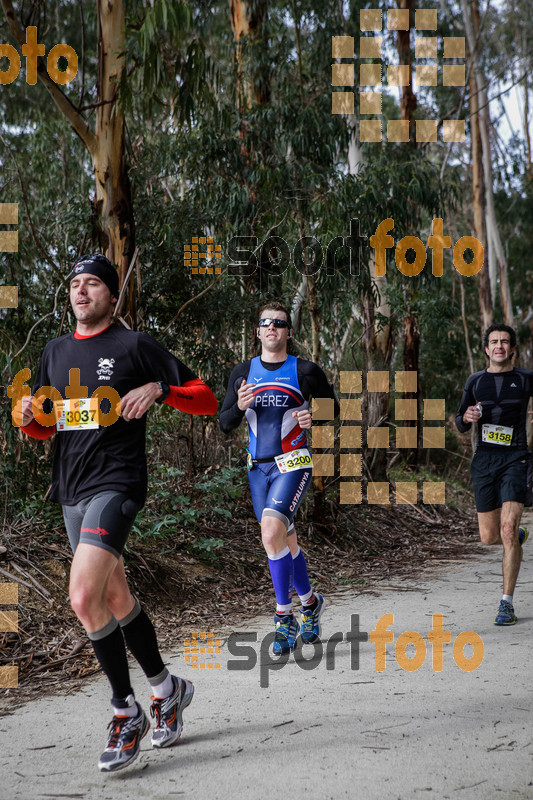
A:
(493, 231)
(408, 98)
(486, 286)
(411, 339)
(106, 145)
(378, 350)
(113, 202)
(411, 353)
(248, 21)
(249, 26)
(238, 12)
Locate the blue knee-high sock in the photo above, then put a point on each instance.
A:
(281, 570)
(301, 578)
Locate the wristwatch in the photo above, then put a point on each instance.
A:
(165, 389)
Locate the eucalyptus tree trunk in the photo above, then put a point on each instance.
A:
(486, 282)
(408, 102)
(411, 338)
(493, 231)
(248, 23)
(106, 144)
(238, 11)
(249, 26)
(113, 201)
(378, 349)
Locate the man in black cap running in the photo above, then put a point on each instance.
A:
(99, 476)
(497, 399)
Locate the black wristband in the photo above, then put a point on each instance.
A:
(165, 388)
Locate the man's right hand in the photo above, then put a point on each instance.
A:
(472, 414)
(25, 415)
(245, 396)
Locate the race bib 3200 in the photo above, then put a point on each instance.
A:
(296, 459)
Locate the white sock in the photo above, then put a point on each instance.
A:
(508, 598)
(164, 689)
(132, 710)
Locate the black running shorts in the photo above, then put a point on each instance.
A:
(499, 477)
(103, 520)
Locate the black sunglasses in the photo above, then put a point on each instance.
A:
(278, 323)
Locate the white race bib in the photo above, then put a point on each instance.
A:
(80, 414)
(497, 434)
(296, 459)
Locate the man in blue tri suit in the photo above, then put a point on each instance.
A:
(273, 392)
(497, 399)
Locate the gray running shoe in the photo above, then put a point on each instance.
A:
(124, 741)
(168, 711)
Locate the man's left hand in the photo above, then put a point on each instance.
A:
(304, 418)
(137, 402)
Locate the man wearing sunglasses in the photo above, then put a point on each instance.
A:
(273, 392)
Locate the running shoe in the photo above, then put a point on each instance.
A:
(286, 633)
(124, 741)
(506, 615)
(168, 711)
(310, 628)
(523, 535)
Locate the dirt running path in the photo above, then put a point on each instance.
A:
(319, 733)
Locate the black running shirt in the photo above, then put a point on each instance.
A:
(504, 397)
(112, 457)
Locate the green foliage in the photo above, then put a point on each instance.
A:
(205, 159)
(206, 549)
(226, 483)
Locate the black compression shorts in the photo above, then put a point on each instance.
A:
(499, 477)
(103, 520)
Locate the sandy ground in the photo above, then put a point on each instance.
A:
(335, 729)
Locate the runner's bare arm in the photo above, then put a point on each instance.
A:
(136, 402)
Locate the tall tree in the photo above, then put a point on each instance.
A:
(486, 280)
(106, 143)
(492, 227)
(411, 331)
